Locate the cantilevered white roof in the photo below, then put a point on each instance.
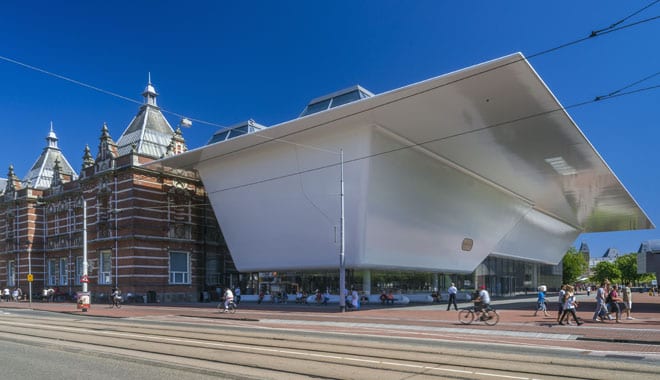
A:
(485, 153)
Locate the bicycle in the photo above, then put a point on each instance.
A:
(115, 301)
(231, 307)
(488, 315)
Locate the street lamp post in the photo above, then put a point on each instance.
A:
(84, 300)
(342, 263)
(85, 264)
(29, 252)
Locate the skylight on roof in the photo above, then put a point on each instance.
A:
(336, 99)
(240, 129)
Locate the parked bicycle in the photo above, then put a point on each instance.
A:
(231, 307)
(488, 315)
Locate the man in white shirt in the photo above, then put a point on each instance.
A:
(452, 297)
(484, 297)
(229, 297)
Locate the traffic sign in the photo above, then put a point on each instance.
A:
(84, 278)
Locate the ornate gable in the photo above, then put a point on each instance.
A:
(105, 158)
(13, 184)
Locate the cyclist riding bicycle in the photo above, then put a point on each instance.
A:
(482, 303)
(229, 297)
(116, 295)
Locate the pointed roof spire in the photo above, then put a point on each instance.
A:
(13, 183)
(52, 137)
(149, 131)
(150, 94)
(107, 147)
(57, 175)
(88, 159)
(40, 175)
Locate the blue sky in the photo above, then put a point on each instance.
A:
(226, 62)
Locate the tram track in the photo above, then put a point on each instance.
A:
(290, 354)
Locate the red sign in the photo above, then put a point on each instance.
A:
(84, 278)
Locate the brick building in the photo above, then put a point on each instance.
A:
(152, 234)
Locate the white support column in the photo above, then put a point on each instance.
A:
(366, 282)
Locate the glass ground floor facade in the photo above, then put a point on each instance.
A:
(502, 276)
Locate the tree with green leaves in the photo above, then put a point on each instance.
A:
(573, 266)
(627, 265)
(606, 270)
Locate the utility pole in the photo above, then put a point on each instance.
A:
(342, 244)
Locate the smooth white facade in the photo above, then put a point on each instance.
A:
(485, 153)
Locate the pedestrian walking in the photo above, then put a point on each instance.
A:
(237, 295)
(452, 297)
(613, 301)
(627, 300)
(355, 300)
(569, 307)
(601, 308)
(540, 302)
(560, 302)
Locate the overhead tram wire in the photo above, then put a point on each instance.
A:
(614, 93)
(122, 97)
(98, 89)
(62, 77)
(420, 144)
(612, 28)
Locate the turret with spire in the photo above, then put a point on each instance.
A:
(41, 174)
(149, 131)
(150, 94)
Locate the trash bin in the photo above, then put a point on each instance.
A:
(151, 296)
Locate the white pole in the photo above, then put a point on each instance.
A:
(85, 264)
(30, 272)
(116, 215)
(342, 264)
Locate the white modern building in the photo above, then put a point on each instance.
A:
(438, 175)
